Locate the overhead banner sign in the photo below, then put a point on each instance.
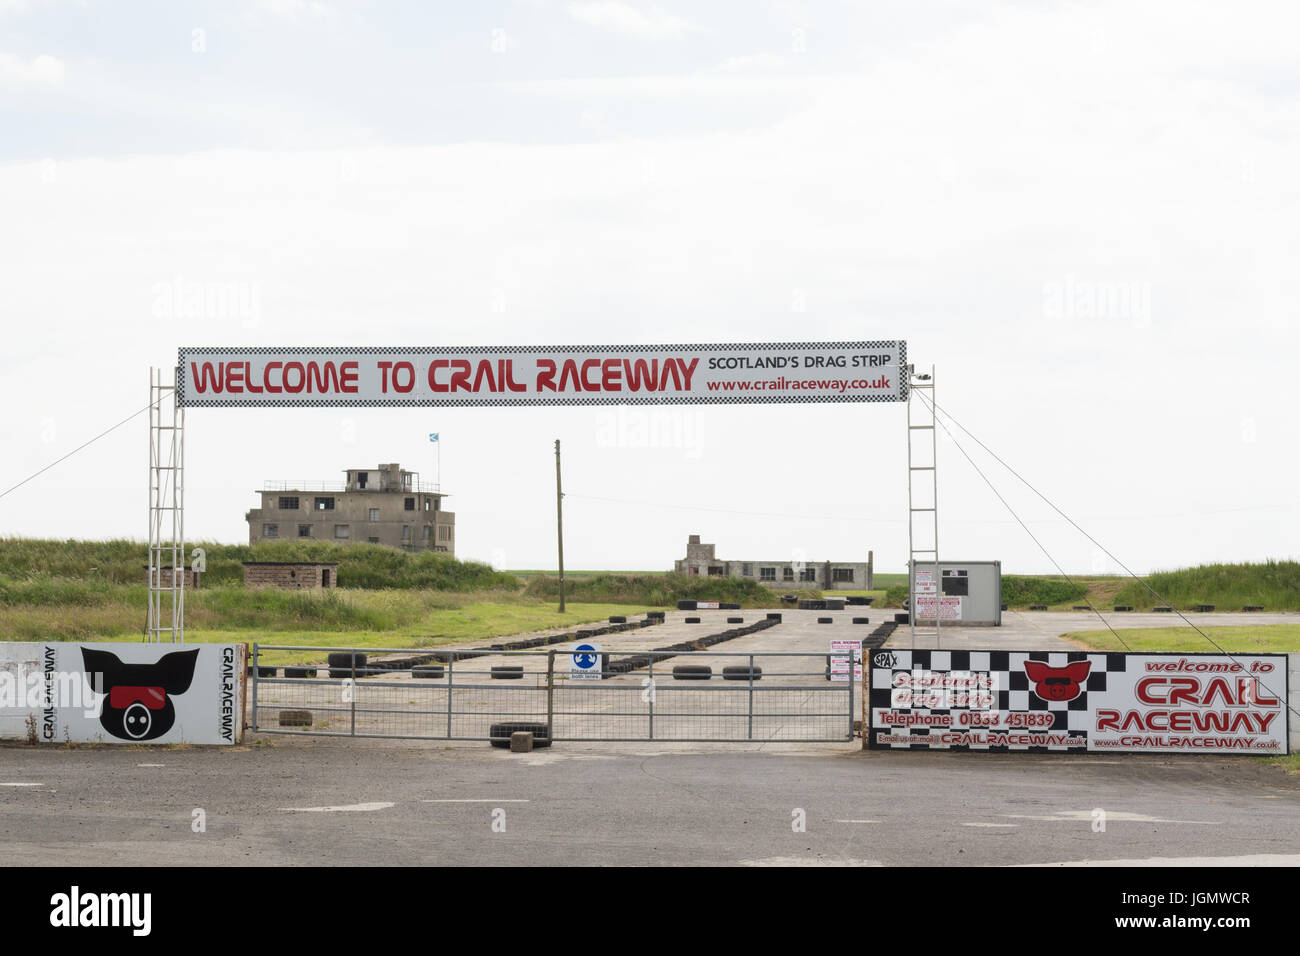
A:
(1075, 701)
(740, 373)
(122, 693)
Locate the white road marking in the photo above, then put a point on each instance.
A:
(349, 808)
(857, 821)
(1112, 816)
(473, 801)
(1011, 826)
(22, 784)
(148, 765)
(1257, 859)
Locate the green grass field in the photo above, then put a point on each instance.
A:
(462, 618)
(1266, 638)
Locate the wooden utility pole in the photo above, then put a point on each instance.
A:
(559, 520)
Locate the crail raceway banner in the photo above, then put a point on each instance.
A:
(1047, 701)
(122, 693)
(738, 373)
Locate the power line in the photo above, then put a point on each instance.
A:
(1007, 505)
(77, 449)
(935, 407)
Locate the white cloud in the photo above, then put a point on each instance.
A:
(294, 9)
(653, 23)
(754, 63)
(42, 72)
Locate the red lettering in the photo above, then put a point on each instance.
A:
(266, 377)
(460, 377)
(484, 371)
(434, 385)
(611, 369)
(545, 374)
(302, 377)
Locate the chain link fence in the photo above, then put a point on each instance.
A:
(559, 695)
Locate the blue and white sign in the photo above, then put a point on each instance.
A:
(586, 662)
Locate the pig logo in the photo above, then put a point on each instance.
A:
(1058, 683)
(138, 697)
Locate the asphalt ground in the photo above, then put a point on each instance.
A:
(297, 801)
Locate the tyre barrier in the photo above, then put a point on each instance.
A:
(295, 718)
(343, 665)
(692, 672)
(1123, 607)
(742, 672)
(499, 734)
(508, 672)
(261, 671)
(1204, 607)
(427, 672)
(617, 619)
(1163, 609)
(1038, 607)
(692, 620)
(775, 616)
(300, 672)
(811, 604)
(901, 618)
(656, 615)
(825, 620)
(856, 600)
(1252, 607)
(1082, 607)
(862, 620)
(735, 620)
(686, 605)
(1004, 607)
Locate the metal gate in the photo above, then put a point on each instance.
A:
(626, 696)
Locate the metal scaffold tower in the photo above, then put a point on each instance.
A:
(166, 511)
(924, 577)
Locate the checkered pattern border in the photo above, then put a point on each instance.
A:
(731, 398)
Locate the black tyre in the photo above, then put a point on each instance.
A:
(735, 620)
(692, 620)
(692, 672)
(427, 672)
(618, 619)
(508, 672)
(775, 616)
(741, 672)
(901, 618)
(300, 672)
(862, 620)
(499, 734)
(341, 665)
(825, 620)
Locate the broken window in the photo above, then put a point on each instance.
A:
(324, 504)
(362, 478)
(767, 574)
(808, 574)
(270, 531)
(410, 504)
(288, 504)
(374, 514)
(444, 532)
(304, 531)
(787, 574)
(842, 575)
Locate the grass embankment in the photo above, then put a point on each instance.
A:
(1265, 639)
(1274, 585)
(1017, 592)
(360, 565)
(653, 590)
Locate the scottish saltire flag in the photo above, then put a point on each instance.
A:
(433, 436)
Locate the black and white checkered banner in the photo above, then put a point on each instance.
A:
(744, 373)
(1064, 701)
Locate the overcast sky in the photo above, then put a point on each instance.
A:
(1084, 215)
